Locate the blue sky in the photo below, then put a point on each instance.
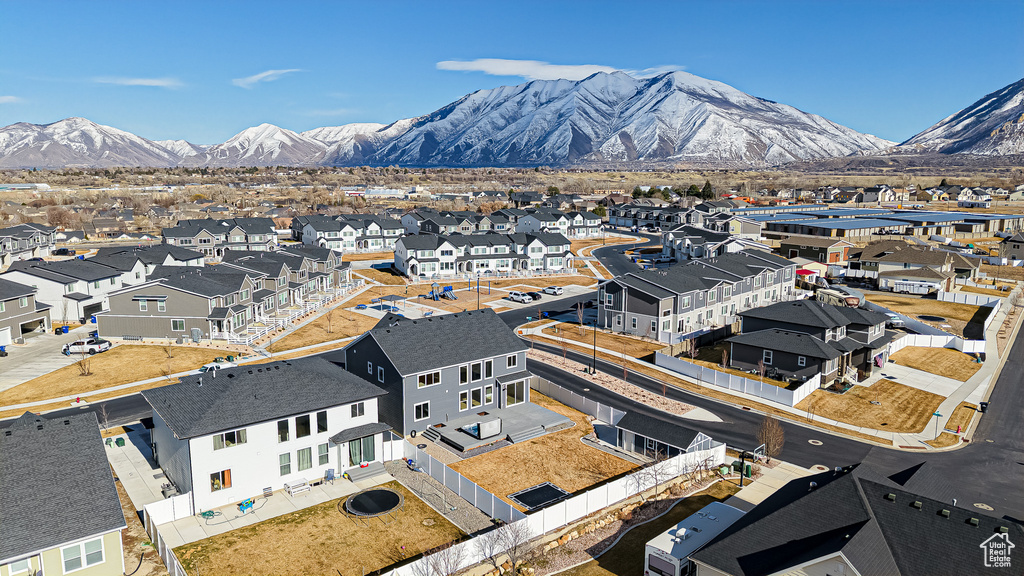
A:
(204, 71)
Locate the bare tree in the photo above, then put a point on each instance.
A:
(771, 434)
(509, 542)
(651, 475)
(579, 316)
(329, 316)
(649, 333)
(565, 350)
(761, 369)
(85, 364)
(169, 348)
(725, 357)
(103, 412)
(446, 560)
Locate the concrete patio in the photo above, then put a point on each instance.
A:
(140, 477)
(518, 423)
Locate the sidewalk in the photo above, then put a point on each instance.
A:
(770, 481)
(38, 356)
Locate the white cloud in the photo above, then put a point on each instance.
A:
(268, 76)
(152, 82)
(9, 99)
(538, 70)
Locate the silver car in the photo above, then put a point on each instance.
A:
(553, 290)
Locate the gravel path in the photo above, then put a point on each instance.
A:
(467, 517)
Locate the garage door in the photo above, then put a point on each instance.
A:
(5, 336)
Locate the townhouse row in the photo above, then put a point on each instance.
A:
(214, 237)
(424, 256)
(24, 241)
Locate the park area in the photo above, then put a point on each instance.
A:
(961, 320)
(321, 540)
(899, 408)
(559, 457)
(947, 362)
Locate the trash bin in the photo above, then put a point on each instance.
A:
(231, 358)
(723, 470)
(747, 471)
(218, 359)
(983, 406)
(63, 329)
(119, 442)
(92, 319)
(736, 465)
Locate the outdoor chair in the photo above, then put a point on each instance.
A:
(329, 476)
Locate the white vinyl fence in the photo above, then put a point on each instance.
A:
(967, 298)
(713, 377)
(167, 510)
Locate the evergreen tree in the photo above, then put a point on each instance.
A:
(637, 192)
(693, 190)
(552, 190)
(707, 193)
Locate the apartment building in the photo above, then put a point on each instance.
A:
(348, 232)
(24, 241)
(432, 255)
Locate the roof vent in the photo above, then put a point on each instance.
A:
(277, 367)
(39, 426)
(200, 381)
(250, 371)
(973, 521)
(944, 513)
(67, 422)
(230, 375)
(1003, 530)
(890, 497)
(7, 432)
(916, 504)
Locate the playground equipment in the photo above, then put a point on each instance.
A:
(449, 293)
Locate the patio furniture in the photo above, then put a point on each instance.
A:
(329, 475)
(268, 492)
(297, 487)
(246, 505)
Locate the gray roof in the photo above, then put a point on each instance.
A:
(787, 341)
(204, 404)
(359, 432)
(666, 432)
(55, 484)
(803, 312)
(415, 346)
(65, 271)
(10, 290)
(154, 254)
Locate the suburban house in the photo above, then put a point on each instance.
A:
(24, 241)
(230, 435)
(74, 289)
(826, 250)
(658, 439)
(441, 368)
(691, 298)
(431, 255)
(796, 340)
(19, 312)
(891, 261)
(969, 198)
(688, 242)
(856, 520)
(59, 509)
(214, 237)
(348, 232)
(1012, 247)
(154, 255)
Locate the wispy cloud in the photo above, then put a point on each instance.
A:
(151, 82)
(268, 76)
(539, 70)
(9, 99)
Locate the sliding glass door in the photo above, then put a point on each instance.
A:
(360, 450)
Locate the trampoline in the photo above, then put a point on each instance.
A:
(538, 496)
(374, 503)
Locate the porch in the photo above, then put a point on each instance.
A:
(516, 423)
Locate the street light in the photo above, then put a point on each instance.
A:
(593, 369)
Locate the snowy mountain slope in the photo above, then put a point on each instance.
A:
(334, 134)
(994, 125)
(263, 145)
(181, 148)
(613, 117)
(80, 143)
(353, 144)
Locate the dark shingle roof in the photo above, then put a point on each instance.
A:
(55, 484)
(785, 340)
(414, 346)
(803, 312)
(10, 290)
(667, 432)
(359, 432)
(251, 394)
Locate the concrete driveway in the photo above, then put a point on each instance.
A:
(40, 355)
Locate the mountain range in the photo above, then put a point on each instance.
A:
(611, 119)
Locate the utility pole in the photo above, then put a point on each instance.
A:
(594, 368)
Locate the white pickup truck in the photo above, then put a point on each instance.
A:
(214, 366)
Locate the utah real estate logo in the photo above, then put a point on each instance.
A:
(997, 551)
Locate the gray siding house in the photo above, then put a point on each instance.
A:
(19, 312)
(443, 367)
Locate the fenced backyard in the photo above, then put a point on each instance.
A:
(790, 396)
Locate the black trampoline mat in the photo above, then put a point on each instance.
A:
(373, 502)
(538, 495)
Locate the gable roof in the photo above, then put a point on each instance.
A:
(787, 341)
(661, 430)
(10, 290)
(415, 346)
(803, 312)
(203, 404)
(56, 484)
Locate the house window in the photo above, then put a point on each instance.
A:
(463, 400)
(285, 463)
(488, 394)
(380, 373)
(801, 361)
(488, 369)
(511, 361)
(430, 378)
(79, 556)
(767, 357)
(421, 411)
(711, 295)
(369, 368)
(322, 455)
(686, 302)
(220, 480)
(143, 306)
(475, 370)
(229, 439)
(2, 307)
(18, 567)
(177, 325)
(321, 421)
(282, 431)
(477, 396)
(305, 457)
(161, 306)
(302, 426)
(634, 323)
(609, 299)
(654, 325)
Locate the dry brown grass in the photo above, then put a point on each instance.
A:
(957, 316)
(962, 416)
(1015, 273)
(363, 256)
(119, 365)
(541, 282)
(900, 409)
(320, 540)
(634, 347)
(560, 458)
(941, 361)
(344, 323)
(945, 440)
(591, 243)
(985, 291)
(711, 357)
(381, 276)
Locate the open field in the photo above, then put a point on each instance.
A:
(320, 540)
(900, 409)
(1015, 273)
(119, 365)
(941, 361)
(963, 320)
(363, 256)
(626, 557)
(962, 416)
(559, 457)
(635, 347)
(343, 323)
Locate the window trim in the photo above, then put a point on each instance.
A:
(83, 556)
(801, 361)
(380, 374)
(28, 566)
(358, 409)
(323, 458)
(768, 356)
(180, 321)
(225, 480)
(287, 456)
(415, 407)
(320, 429)
(512, 361)
(463, 400)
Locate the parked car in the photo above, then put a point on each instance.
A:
(63, 252)
(590, 304)
(894, 321)
(87, 346)
(554, 290)
(534, 295)
(521, 297)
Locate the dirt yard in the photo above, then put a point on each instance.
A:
(985, 291)
(711, 357)
(119, 365)
(381, 276)
(320, 540)
(560, 458)
(900, 409)
(363, 256)
(961, 417)
(344, 323)
(634, 347)
(962, 320)
(941, 361)
(1015, 273)
(135, 541)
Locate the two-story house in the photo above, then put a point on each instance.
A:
(59, 509)
(155, 255)
(19, 312)
(24, 241)
(891, 263)
(213, 237)
(73, 289)
(687, 242)
(431, 255)
(834, 251)
(228, 436)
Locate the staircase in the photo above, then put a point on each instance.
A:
(527, 434)
(431, 434)
(374, 469)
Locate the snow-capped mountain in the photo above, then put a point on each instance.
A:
(617, 118)
(355, 144)
(181, 148)
(263, 145)
(78, 142)
(992, 126)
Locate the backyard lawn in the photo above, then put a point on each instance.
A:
(963, 320)
(626, 557)
(633, 347)
(1015, 273)
(559, 457)
(900, 409)
(320, 540)
(344, 323)
(119, 365)
(947, 362)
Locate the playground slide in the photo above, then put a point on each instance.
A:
(448, 293)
